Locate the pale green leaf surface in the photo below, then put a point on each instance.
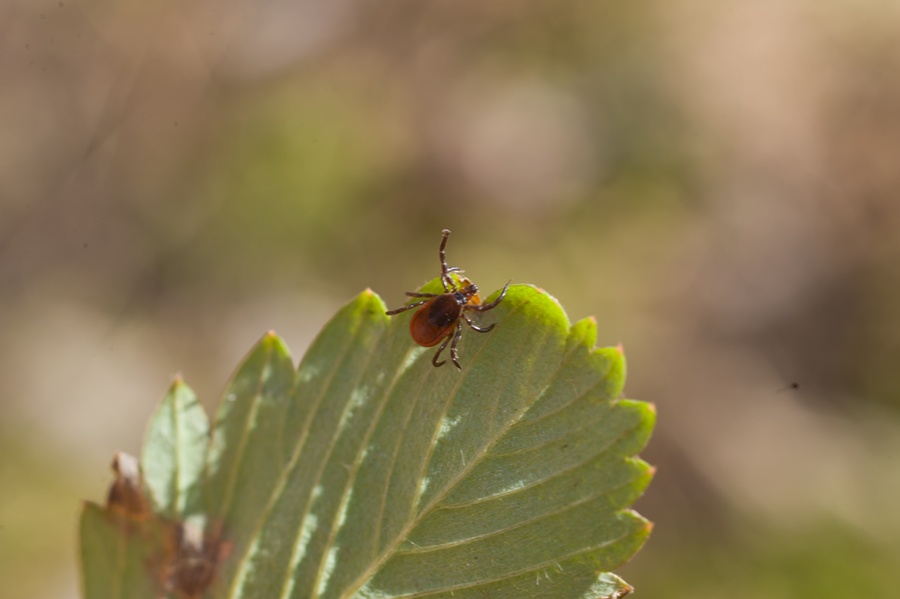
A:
(370, 473)
(174, 453)
(246, 456)
(113, 557)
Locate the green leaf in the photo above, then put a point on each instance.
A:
(114, 557)
(368, 473)
(174, 453)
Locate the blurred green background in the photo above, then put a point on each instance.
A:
(716, 181)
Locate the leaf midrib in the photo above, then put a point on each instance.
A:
(394, 545)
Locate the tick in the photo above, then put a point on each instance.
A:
(440, 315)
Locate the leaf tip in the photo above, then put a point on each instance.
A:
(271, 342)
(584, 332)
(178, 385)
(540, 291)
(370, 302)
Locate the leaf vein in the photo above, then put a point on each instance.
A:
(351, 479)
(419, 549)
(245, 435)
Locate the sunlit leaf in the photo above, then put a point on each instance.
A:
(175, 453)
(368, 473)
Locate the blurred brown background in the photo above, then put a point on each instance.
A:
(716, 181)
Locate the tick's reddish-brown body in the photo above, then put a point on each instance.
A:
(440, 316)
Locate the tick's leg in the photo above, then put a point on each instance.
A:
(493, 304)
(407, 307)
(443, 251)
(449, 284)
(477, 328)
(453, 353)
(437, 354)
(414, 294)
(447, 280)
(445, 270)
